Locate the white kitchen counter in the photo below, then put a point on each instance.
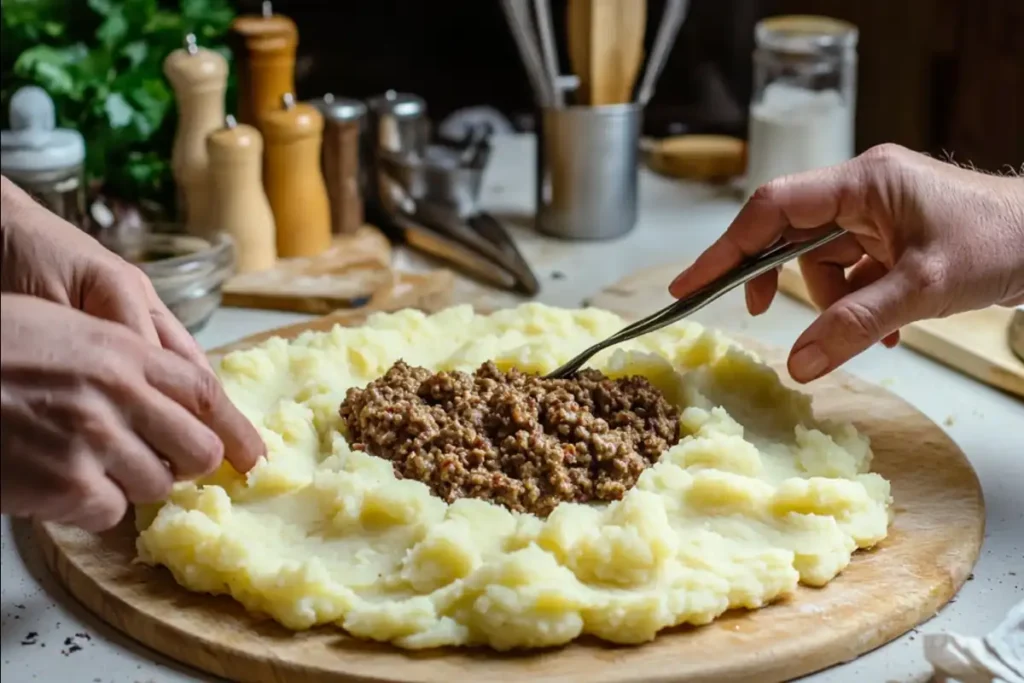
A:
(46, 636)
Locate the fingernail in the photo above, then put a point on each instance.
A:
(808, 363)
(673, 288)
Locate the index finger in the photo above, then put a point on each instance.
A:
(200, 392)
(802, 201)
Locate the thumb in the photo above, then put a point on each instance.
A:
(854, 323)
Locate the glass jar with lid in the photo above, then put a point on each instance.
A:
(802, 109)
(45, 161)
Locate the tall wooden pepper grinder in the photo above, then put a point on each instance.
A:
(266, 62)
(199, 78)
(293, 179)
(340, 160)
(238, 204)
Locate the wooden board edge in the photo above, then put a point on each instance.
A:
(923, 340)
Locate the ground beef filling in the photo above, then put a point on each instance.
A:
(512, 438)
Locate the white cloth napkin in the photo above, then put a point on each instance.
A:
(996, 658)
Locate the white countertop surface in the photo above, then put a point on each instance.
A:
(47, 636)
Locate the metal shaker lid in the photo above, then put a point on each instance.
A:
(401, 105)
(34, 144)
(340, 109)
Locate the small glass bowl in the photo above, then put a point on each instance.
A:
(187, 272)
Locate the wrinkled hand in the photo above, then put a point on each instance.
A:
(926, 240)
(93, 417)
(47, 257)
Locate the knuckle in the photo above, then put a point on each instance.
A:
(75, 485)
(855, 322)
(93, 428)
(206, 391)
(927, 275)
(927, 279)
(884, 154)
(770, 191)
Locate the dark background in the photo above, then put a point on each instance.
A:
(942, 76)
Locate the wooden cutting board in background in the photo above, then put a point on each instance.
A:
(975, 343)
(355, 272)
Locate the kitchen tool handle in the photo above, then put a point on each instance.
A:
(668, 29)
(542, 8)
(517, 15)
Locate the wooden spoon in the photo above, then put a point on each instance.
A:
(606, 47)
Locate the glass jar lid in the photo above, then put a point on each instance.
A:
(34, 144)
(805, 34)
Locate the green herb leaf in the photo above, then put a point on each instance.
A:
(113, 29)
(119, 112)
(101, 7)
(136, 52)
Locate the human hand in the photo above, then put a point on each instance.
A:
(92, 417)
(926, 239)
(47, 257)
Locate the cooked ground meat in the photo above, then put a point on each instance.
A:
(515, 439)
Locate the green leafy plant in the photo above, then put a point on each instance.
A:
(102, 63)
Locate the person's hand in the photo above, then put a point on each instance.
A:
(926, 239)
(93, 416)
(45, 256)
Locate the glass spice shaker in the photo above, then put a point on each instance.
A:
(343, 120)
(45, 161)
(802, 110)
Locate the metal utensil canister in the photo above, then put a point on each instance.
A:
(343, 120)
(44, 160)
(586, 185)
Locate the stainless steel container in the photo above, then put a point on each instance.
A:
(396, 123)
(587, 170)
(45, 161)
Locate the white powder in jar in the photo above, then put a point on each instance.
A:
(795, 129)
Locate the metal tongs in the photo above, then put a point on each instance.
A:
(772, 258)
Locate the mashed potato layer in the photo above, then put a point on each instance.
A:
(757, 496)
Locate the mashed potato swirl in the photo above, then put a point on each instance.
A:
(757, 496)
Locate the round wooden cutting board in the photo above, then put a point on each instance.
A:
(933, 545)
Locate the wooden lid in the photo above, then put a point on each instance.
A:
(292, 120)
(264, 25)
(192, 65)
(234, 140)
(699, 157)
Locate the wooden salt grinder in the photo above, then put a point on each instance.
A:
(266, 62)
(343, 120)
(293, 179)
(199, 78)
(238, 204)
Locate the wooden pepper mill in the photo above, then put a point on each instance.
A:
(266, 62)
(293, 179)
(199, 78)
(238, 204)
(343, 120)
